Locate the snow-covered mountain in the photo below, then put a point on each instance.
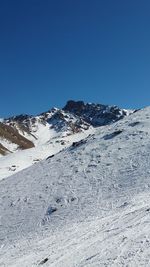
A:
(88, 205)
(25, 139)
(25, 131)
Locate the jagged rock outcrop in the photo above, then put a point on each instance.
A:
(95, 114)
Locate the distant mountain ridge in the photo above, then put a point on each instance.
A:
(95, 114)
(26, 131)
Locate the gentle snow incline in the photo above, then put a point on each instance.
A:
(87, 206)
(20, 160)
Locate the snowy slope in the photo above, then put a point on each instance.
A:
(119, 239)
(49, 132)
(75, 117)
(22, 159)
(88, 205)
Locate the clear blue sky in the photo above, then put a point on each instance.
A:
(91, 50)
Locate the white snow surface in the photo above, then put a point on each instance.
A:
(9, 145)
(40, 133)
(89, 205)
(15, 162)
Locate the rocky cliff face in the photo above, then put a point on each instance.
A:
(95, 114)
(10, 136)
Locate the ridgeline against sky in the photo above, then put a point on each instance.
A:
(52, 51)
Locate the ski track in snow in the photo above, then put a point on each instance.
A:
(89, 205)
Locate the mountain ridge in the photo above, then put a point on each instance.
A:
(75, 117)
(26, 139)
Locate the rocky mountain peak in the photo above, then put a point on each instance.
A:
(74, 106)
(95, 114)
(75, 117)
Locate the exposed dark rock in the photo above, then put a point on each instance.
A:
(74, 106)
(95, 114)
(81, 142)
(43, 261)
(112, 135)
(50, 157)
(50, 210)
(20, 118)
(134, 123)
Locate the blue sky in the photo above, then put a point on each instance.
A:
(91, 50)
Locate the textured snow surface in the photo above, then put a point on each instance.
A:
(88, 205)
(22, 159)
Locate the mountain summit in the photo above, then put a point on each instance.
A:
(27, 139)
(26, 131)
